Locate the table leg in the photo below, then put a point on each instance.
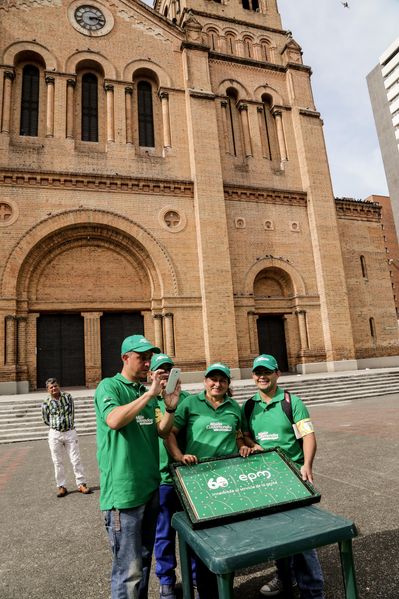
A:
(348, 569)
(185, 567)
(225, 585)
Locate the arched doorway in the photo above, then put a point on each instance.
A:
(273, 292)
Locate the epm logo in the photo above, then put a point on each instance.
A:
(222, 483)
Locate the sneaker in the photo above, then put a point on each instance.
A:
(274, 587)
(167, 591)
(61, 492)
(84, 489)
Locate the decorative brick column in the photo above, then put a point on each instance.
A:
(50, 83)
(169, 334)
(303, 333)
(70, 91)
(158, 330)
(92, 334)
(9, 77)
(21, 340)
(167, 142)
(11, 340)
(109, 97)
(278, 116)
(129, 114)
(253, 332)
(243, 108)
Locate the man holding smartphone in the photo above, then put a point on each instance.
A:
(165, 538)
(128, 424)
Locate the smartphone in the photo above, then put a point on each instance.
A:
(172, 380)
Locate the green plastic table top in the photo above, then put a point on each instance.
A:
(237, 545)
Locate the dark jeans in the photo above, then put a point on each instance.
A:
(307, 572)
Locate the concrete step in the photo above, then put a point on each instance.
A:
(20, 419)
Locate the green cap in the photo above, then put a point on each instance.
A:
(266, 361)
(158, 360)
(139, 344)
(219, 367)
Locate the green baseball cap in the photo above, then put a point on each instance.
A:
(219, 367)
(266, 361)
(158, 360)
(139, 344)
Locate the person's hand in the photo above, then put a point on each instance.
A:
(245, 451)
(306, 473)
(257, 447)
(172, 399)
(158, 382)
(188, 459)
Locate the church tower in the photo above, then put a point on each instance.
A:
(263, 12)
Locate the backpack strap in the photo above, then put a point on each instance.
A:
(286, 406)
(248, 409)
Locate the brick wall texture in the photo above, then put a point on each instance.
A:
(224, 226)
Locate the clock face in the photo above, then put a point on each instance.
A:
(90, 18)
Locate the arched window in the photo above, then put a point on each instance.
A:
(364, 267)
(230, 43)
(89, 107)
(247, 47)
(372, 328)
(30, 101)
(145, 114)
(269, 134)
(234, 123)
(250, 4)
(165, 12)
(213, 39)
(265, 50)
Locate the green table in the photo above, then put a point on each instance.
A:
(230, 547)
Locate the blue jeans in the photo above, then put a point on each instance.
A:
(131, 534)
(307, 572)
(165, 537)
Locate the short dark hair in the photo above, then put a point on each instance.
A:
(51, 381)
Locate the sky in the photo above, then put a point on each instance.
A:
(342, 45)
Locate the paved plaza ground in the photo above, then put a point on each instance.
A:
(57, 549)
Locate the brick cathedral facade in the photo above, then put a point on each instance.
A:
(164, 171)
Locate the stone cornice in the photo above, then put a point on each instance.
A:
(90, 182)
(296, 66)
(237, 193)
(234, 21)
(308, 112)
(270, 66)
(348, 208)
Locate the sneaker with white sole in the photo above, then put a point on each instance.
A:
(274, 587)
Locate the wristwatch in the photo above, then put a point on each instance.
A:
(170, 410)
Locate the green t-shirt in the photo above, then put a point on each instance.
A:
(164, 458)
(128, 458)
(270, 427)
(210, 433)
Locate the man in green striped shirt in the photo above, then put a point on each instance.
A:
(58, 413)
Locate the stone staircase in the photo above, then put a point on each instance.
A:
(20, 417)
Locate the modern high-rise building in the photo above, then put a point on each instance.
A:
(383, 84)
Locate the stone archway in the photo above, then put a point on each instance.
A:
(85, 263)
(276, 323)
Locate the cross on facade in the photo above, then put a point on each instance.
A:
(172, 219)
(5, 212)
